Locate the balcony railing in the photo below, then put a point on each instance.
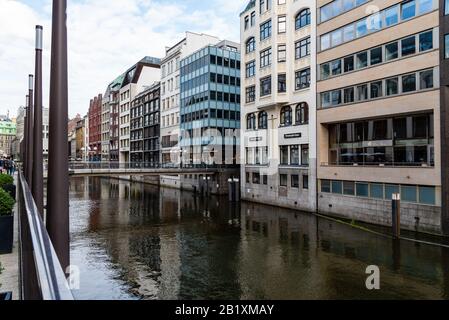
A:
(41, 275)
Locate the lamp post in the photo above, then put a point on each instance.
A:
(58, 179)
(29, 160)
(38, 161)
(25, 137)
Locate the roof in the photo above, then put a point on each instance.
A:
(251, 4)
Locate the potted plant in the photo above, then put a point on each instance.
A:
(6, 295)
(7, 184)
(6, 222)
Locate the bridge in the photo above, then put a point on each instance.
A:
(146, 169)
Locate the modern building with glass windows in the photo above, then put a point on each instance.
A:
(278, 144)
(379, 111)
(210, 105)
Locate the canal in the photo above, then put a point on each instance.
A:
(136, 241)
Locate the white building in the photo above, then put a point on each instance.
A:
(279, 103)
(105, 125)
(143, 74)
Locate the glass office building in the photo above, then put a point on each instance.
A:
(210, 105)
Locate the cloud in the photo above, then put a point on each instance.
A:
(105, 37)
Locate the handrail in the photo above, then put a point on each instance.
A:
(42, 277)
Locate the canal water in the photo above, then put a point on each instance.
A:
(136, 241)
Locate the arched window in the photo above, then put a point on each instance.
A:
(286, 116)
(251, 121)
(263, 120)
(302, 113)
(250, 45)
(302, 19)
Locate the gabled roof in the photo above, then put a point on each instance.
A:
(132, 74)
(251, 4)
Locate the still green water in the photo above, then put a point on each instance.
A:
(135, 241)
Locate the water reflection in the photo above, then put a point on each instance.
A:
(135, 241)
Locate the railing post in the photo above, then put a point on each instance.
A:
(38, 161)
(30, 130)
(58, 180)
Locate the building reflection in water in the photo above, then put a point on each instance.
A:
(158, 243)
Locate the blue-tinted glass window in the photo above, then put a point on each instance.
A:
(425, 6)
(427, 195)
(337, 187)
(362, 189)
(426, 41)
(408, 193)
(376, 191)
(390, 190)
(408, 10)
(325, 186)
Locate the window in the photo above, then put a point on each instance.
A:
(446, 46)
(427, 195)
(305, 182)
(325, 71)
(253, 18)
(263, 120)
(390, 190)
(250, 45)
(302, 113)
(251, 69)
(282, 82)
(302, 79)
(284, 155)
(348, 64)
(348, 188)
(262, 6)
(294, 155)
(362, 92)
(251, 121)
(283, 178)
(408, 46)
(361, 60)
(376, 89)
(376, 191)
(391, 51)
(361, 28)
(392, 16)
(408, 10)
(325, 41)
(282, 24)
(302, 48)
(361, 189)
(336, 67)
(337, 187)
(376, 55)
(265, 86)
(426, 79)
(325, 186)
(426, 41)
(246, 22)
(392, 86)
(256, 178)
(265, 30)
(286, 116)
(348, 33)
(424, 6)
(409, 83)
(336, 97)
(295, 181)
(409, 193)
(336, 38)
(302, 19)
(250, 94)
(265, 58)
(446, 7)
(348, 95)
(282, 53)
(305, 155)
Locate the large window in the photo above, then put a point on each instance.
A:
(338, 7)
(399, 141)
(250, 94)
(282, 53)
(265, 86)
(265, 58)
(302, 79)
(263, 120)
(302, 113)
(251, 121)
(286, 116)
(302, 19)
(251, 69)
(282, 24)
(282, 82)
(250, 45)
(265, 30)
(302, 48)
(375, 22)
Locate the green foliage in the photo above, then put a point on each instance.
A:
(6, 203)
(5, 179)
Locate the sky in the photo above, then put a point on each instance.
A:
(105, 38)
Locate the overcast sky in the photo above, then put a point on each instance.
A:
(105, 37)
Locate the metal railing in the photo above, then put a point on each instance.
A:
(41, 275)
(380, 164)
(142, 165)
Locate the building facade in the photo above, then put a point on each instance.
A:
(106, 125)
(114, 118)
(145, 127)
(145, 73)
(7, 134)
(379, 111)
(94, 148)
(170, 92)
(210, 105)
(278, 74)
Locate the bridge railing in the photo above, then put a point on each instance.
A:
(41, 275)
(95, 165)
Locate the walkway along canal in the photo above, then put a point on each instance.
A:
(136, 241)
